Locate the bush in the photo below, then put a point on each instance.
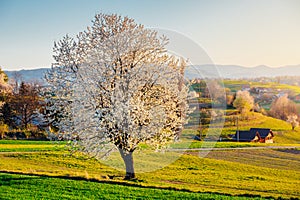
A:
(3, 130)
(32, 133)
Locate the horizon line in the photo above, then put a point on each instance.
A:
(262, 65)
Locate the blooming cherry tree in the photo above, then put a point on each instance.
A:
(116, 85)
(5, 88)
(244, 101)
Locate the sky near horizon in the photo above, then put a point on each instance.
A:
(239, 32)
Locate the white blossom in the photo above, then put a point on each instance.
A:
(116, 85)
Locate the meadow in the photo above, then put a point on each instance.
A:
(45, 169)
(42, 187)
(223, 174)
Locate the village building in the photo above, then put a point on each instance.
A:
(261, 135)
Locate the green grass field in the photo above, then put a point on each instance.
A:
(41, 187)
(45, 170)
(29, 146)
(247, 173)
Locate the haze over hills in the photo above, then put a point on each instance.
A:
(28, 75)
(235, 71)
(201, 71)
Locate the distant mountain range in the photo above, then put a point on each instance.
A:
(201, 71)
(28, 75)
(235, 71)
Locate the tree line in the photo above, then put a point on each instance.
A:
(20, 107)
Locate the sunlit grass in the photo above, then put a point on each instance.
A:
(33, 142)
(37, 187)
(189, 172)
(27, 145)
(282, 129)
(287, 159)
(263, 172)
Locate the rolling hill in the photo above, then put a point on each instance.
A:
(28, 74)
(197, 71)
(235, 71)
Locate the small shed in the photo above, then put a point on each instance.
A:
(262, 135)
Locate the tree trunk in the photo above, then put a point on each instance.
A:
(128, 160)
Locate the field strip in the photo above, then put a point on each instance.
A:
(190, 149)
(21, 152)
(233, 148)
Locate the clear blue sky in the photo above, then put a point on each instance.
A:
(241, 32)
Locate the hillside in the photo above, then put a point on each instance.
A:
(235, 71)
(28, 74)
(269, 173)
(201, 71)
(283, 132)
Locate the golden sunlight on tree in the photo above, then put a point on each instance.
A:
(118, 86)
(244, 102)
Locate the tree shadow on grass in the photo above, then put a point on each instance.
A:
(291, 151)
(7, 178)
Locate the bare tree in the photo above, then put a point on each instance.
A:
(25, 103)
(118, 86)
(216, 91)
(15, 81)
(282, 107)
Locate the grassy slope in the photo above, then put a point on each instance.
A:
(253, 172)
(236, 85)
(282, 129)
(189, 172)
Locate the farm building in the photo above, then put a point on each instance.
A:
(261, 135)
